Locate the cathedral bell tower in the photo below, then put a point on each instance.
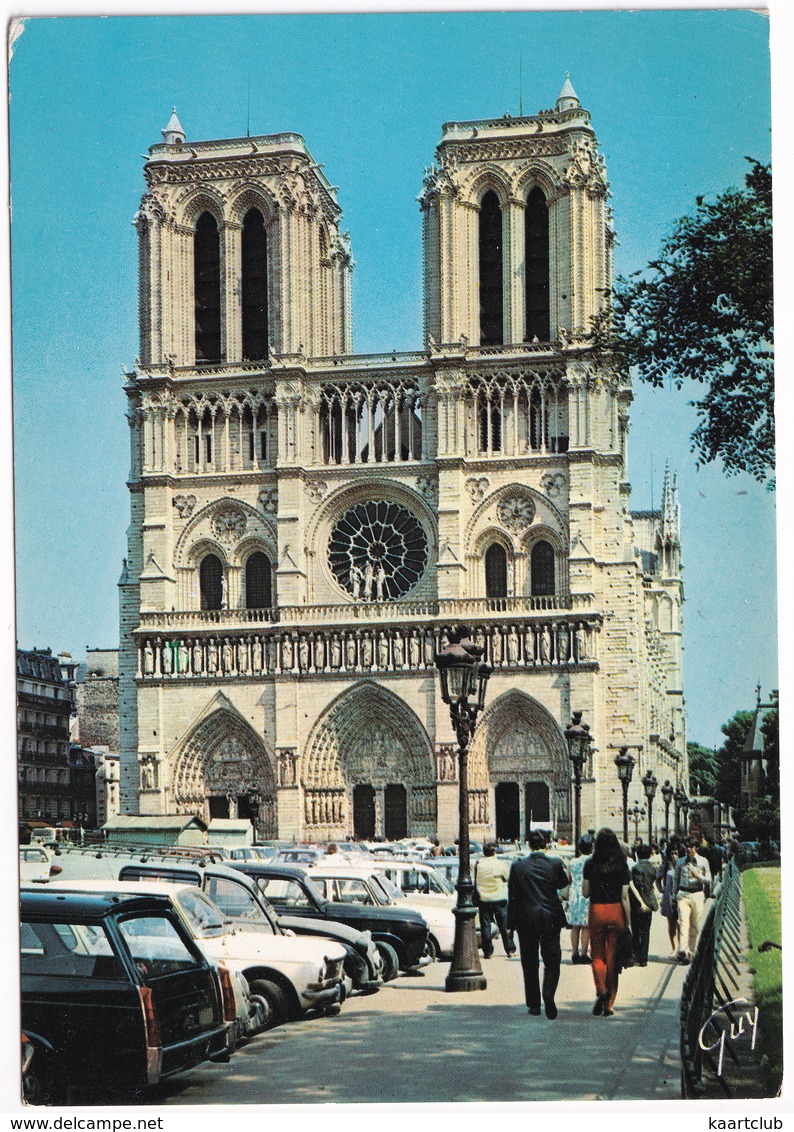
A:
(517, 233)
(240, 255)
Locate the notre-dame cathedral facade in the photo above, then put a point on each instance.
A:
(307, 523)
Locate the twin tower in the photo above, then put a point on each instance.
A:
(308, 523)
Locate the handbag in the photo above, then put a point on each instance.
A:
(624, 952)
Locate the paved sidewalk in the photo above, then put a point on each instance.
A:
(412, 1042)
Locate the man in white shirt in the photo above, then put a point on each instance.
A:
(490, 880)
(690, 886)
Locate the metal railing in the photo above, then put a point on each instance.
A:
(711, 985)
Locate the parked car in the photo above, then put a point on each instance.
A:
(253, 853)
(400, 934)
(418, 879)
(114, 990)
(36, 863)
(237, 896)
(250, 956)
(348, 883)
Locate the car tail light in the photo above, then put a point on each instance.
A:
(149, 1017)
(227, 995)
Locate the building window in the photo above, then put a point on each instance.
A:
(207, 289)
(258, 592)
(378, 551)
(495, 571)
(537, 267)
(211, 582)
(542, 569)
(254, 286)
(491, 287)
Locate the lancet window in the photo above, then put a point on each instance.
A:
(254, 287)
(495, 571)
(211, 582)
(365, 423)
(542, 569)
(258, 581)
(207, 289)
(518, 414)
(491, 285)
(537, 267)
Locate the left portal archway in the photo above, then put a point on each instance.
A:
(224, 758)
(368, 742)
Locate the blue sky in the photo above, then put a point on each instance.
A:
(677, 98)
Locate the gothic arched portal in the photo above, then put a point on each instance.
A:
(224, 759)
(519, 751)
(368, 738)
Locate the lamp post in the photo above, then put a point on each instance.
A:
(678, 798)
(649, 784)
(578, 738)
(625, 764)
(667, 794)
(637, 812)
(464, 678)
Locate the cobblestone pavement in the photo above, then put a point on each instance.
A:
(412, 1042)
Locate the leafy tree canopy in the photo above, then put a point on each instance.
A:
(703, 766)
(702, 312)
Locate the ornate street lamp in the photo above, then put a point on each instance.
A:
(578, 738)
(625, 764)
(667, 794)
(464, 678)
(637, 811)
(686, 803)
(678, 798)
(649, 784)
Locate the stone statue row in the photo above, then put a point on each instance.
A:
(381, 650)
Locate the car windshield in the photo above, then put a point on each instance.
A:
(385, 891)
(240, 904)
(205, 918)
(285, 892)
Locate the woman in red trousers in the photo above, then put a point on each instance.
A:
(605, 880)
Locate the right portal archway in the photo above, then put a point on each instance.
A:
(519, 753)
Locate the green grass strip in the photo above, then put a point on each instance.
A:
(761, 887)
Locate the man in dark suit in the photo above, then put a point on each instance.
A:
(535, 912)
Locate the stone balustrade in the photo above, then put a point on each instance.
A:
(565, 640)
(351, 613)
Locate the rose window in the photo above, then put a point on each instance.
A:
(378, 551)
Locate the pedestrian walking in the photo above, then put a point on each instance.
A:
(606, 883)
(579, 905)
(665, 877)
(490, 882)
(643, 902)
(535, 913)
(691, 879)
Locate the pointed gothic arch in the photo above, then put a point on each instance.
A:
(368, 736)
(223, 757)
(519, 741)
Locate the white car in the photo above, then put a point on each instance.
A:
(346, 883)
(35, 863)
(283, 977)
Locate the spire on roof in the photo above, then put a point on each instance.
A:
(568, 99)
(173, 134)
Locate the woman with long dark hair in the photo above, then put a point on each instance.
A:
(605, 880)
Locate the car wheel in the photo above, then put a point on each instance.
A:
(431, 948)
(40, 1085)
(391, 964)
(274, 1002)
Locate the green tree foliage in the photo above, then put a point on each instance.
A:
(703, 766)
(727, 787)
(702, 312)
